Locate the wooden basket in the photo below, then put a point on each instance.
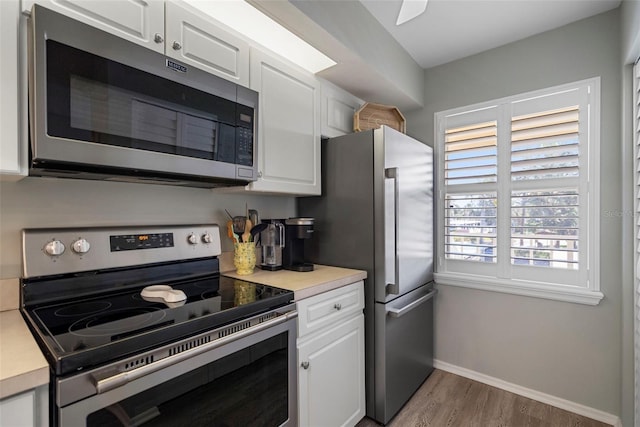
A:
(372, 116)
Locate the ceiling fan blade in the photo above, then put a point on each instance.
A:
(410, 9)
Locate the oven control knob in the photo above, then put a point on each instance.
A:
(54, 248)
(206, 238)
(192, 239)
(80, 246)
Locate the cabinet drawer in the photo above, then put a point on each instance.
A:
(322, 310)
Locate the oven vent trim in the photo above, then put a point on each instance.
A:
(267, 316)
(185, 346)
(133, 364)
(234, 329)
(245, 325)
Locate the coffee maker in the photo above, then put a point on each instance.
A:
(272, 241)
(297, 232)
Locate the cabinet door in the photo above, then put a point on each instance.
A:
(288, 127)
(19, 410)
(205, 44)
(338, 108)
(331, 376)
(13, 149)
(139, 21)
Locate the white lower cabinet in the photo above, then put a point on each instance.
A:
(331, 385)
(27, 409)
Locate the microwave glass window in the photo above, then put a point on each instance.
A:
(100, 101)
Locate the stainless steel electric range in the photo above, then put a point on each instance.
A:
(140, 328)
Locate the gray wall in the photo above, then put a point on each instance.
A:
(49, 202)
(567, 350)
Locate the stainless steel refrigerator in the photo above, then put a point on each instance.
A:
(376, 214)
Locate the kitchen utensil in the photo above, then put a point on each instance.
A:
(246, 236)
(230, 232)
(254, 217)
(239, 223)
(256, 230)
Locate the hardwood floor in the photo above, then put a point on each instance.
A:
(449, 400)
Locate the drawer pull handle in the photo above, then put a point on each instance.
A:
(305, 365)
(337, 306)
(176, 46)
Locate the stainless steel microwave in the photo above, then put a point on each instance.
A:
(101, 107)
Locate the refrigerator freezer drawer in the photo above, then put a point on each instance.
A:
(404, 350)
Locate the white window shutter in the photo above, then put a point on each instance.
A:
(636, 97)
(471, 155)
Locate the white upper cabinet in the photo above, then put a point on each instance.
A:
(288, 127)
(13, 129)
(171, 28)
(338, 108)
(195, 40)
(139, 21)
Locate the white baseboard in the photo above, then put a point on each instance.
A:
(557, 402)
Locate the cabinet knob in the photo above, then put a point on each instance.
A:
(176, 46)
(158, 38)
(305, 365)
(337, 306)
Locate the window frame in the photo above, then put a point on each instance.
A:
(584, 287)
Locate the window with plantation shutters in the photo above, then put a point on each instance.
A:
(518, 194)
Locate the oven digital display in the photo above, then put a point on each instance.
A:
(130, 242)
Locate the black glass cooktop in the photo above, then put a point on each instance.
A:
(88, 331)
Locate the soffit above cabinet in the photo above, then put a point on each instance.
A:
(370, 63)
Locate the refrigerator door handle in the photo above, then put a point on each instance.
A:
(398, 312)
(393, 173)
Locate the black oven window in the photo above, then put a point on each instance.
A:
(247, 388)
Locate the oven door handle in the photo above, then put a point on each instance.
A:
(105, 384)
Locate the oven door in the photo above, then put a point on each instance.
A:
(250, 380)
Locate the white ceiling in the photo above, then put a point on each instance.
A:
(452, 29)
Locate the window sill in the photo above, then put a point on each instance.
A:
(525, 288)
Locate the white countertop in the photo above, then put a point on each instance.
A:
(323, 278)
(22, 365)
